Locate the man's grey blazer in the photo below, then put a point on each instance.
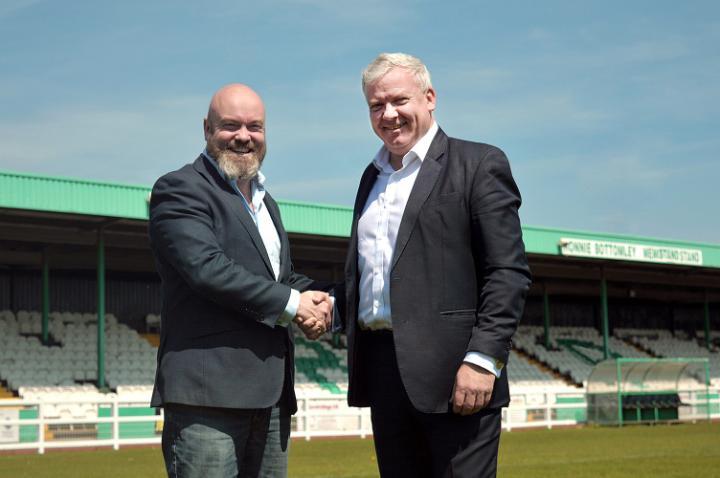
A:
(219, 345)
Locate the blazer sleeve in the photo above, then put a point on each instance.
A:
(181, 232)
(499, 252)
(301, 282)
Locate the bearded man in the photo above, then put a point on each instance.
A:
(225, 362)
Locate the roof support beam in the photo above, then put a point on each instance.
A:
(706, 313)
(45, 297)
(605, 324)
(72, 235)
(101, 309)
(546, 317)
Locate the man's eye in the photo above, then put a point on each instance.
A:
(256, 128)
(376, 108)
(402, 101)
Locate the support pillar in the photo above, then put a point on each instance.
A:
(546, 317)
(101, 310)
(45, 297)
(604, 309)
(706, 313)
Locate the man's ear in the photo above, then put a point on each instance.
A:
(206, 129)
(430, 98)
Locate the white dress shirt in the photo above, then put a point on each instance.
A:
(377, 233)
(269, 235)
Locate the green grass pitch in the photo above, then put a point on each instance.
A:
(636, 451)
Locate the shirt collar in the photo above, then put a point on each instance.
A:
(419, 150)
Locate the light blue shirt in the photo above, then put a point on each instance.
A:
(268, 233)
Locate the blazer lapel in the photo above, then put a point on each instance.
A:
(274, 211)
(424, 183)
(235, 203)
(366, 185)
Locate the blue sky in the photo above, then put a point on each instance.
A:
(609, 111)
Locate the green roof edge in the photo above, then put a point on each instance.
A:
(28, 191)
(73, 180)
(621, 236)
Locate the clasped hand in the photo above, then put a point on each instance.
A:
(314, 313)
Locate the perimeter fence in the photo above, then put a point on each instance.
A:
(115, 421)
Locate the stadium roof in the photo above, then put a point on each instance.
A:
(32, 192)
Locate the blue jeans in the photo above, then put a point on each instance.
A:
(217, 442)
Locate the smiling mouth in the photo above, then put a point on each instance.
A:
(394, 127)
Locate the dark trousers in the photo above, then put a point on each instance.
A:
(204, 442)
(409, 443)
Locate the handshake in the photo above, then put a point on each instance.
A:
(314, 314)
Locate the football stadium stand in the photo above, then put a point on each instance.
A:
(72, 356)
(70, 359)
(77, 245)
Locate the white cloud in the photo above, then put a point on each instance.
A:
(371, 12)
(613, 53)
(326, 110)
(470, 77)
(129, 144)
(339, 190)
(657, 50)
(526, 115)
(138, 142)
(624, 171)
(540, 34)
(8, 7)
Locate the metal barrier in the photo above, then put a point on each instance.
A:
(322, 416)
(27, 424)
(36, 424)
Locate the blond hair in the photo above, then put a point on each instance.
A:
(385, 62)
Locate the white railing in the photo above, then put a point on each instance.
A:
(318, 416)
(322, 416)
(46, 428)
(540, 417)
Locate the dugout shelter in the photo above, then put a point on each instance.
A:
(635, 390)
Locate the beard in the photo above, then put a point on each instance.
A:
(243, 167)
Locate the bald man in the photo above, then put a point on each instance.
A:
(225, 362)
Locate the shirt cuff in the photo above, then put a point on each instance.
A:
(485, 361)
(290, 309)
